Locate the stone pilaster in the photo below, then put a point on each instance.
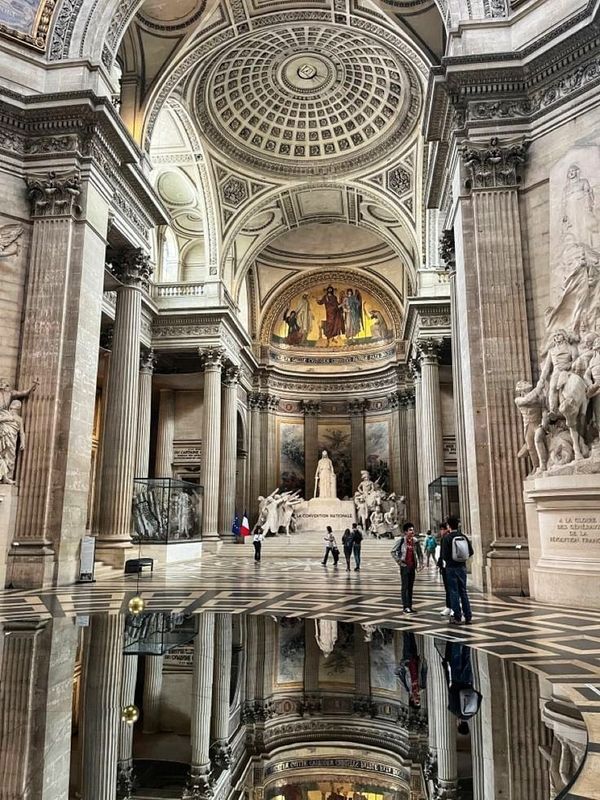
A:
(423, 499)
(413, 493)
(120, 429)
(163, 465)
(492, 314)
(228, 451)
(254, 483)
(442, 730)
(153, 680)
(142, 449)
(311, 444)
(356, 410)
(125, 760)
(59, 346)
(271, 441)
(102, 707)
(399, 464)
(198, 784)
(220, 752)
(432, 443)
(212, 360)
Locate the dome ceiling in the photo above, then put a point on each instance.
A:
(308, 99)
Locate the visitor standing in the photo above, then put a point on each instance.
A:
(464, 700)
(455, 552)
(357, 537)
(347, 545)
(330, 547)
(257, 540)
(408, 555)
(430, 545)
(444, 531)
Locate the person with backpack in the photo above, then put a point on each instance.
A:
(408, 555)
(456, 551)
(357, 537)
(446, 611)
(430, 545)
(464, 700)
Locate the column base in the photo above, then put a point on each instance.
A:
(199, 784)
(507, 570)
(30, 566)
(115, 552)
(212, 545)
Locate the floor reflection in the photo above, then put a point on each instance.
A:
(160, 705)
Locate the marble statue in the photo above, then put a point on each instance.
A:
(288, 512)
(12, 435)
(276, 511)
(529, 401)
(7, 394)
(592, 379)
(377, 522)
(557, 367)
(325, 479)
(367, 497)
(579, 302)
(578, 212)
(326, 634)
(185, 515)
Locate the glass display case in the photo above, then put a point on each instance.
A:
(443, 500)
(166, 510)
(154, 634)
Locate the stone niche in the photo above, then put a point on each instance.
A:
(563, 524)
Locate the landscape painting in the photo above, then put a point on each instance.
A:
(377, 449)
(291, 457)
(332, 316)
(336, 439)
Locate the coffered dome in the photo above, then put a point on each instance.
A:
(308, 99)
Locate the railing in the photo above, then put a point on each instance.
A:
(199, 295)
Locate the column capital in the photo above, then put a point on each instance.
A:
(272, 402)
(357, 408)
(429, 350)
(212, 358)
(493, 165)
(311, 408)
(231, 375)
(447, 250)
(54, 194)
(131, 266)
(394, 400)
(407, 397)
(106, 338)
(254, 401)
(147, 361)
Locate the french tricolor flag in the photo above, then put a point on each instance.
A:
(245, 526)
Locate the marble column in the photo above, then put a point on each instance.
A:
(220, 752)
(442, 726)
(432, 443)
(102, 707)
(254, 483)
(153, 680)
(142, 449)
(271, 441)
(227, 507)
(198, 783)
(120, 429)
(311, 410)
(163, 464)
(423, 494)
(241, 481)
(125, 760)
(413, 493)
(356, 410)
(212, 360)
(492, 315)
(399, 465)
(59, 346)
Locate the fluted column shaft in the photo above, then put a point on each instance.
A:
(228, 450)
(125, 762)
(311, 445)
(102, 708)
(142, 450)
(443, 736)
(432, 452)
(163, 465)
(222, 679)
(356, 409)
(423, 499)
(152, 693)
(202, 690)
(211, 443)
(255, 456)
(272, 476)
(413, 495)
(459, 413)
(398, 483)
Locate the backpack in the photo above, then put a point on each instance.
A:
(460, 548)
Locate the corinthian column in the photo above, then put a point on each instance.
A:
(228, 450)
(356, 410)
(423, 499)
(397, 447)
(152, 693)
(198, 783)
(492, 313)
(125, 762)
(442, 726)
(142, 451)
(311, 444)
(220, 752)
(102, 707)
(120, 429)
(212, 360)
(413, 494)
(268, 458)
(254, 486)
(432, 444)
(163, 465)
(59, 346)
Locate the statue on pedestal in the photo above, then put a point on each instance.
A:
(325, 479)
(367, 497)
(11, 435)
(7, 394)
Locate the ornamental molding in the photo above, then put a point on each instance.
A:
(342, 384)
(429, 316)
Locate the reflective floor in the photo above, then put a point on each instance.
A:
(214, 705)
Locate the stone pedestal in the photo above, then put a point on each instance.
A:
(316, 514)
(563, 526)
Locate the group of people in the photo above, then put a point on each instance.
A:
(351, 543)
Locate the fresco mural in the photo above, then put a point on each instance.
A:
(291, 457)
(332, 316)
(339, 667)
(20, 15)
(377, 449)
(383, 661)
(290, 664)
(336, 439)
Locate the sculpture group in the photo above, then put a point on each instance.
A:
(379, 512)
(12, 433)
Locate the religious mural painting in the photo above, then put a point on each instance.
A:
(383, 660)
(291, 457)
(27, 20)
(290, 662)
(336, 439)
(328, 315)
(339, 665)
(377, 449)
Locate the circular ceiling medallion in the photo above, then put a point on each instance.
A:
(308, 99)
(176, 189)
